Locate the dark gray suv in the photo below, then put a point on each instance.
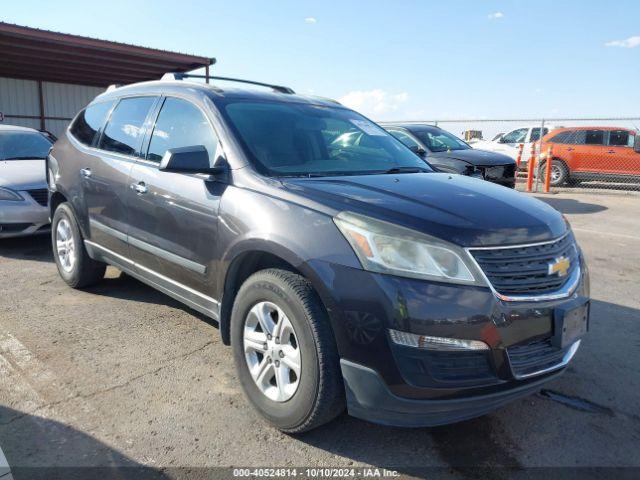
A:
(342, 274)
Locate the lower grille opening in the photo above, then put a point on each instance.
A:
(532, 357)
(438, 368)
(14, 227)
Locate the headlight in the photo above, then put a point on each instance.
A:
(10, 195)
(386, 248)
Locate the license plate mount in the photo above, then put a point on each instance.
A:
(570, 324)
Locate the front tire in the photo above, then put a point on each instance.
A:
(75, 266)
(284, 351)
(559, 172)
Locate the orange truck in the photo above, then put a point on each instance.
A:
(592, 153)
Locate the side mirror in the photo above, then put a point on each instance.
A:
(418, 150)
(636, 144)
(193, 159)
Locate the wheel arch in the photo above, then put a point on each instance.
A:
(250, 258)
(56, 199)
(59, 197)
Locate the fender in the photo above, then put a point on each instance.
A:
(274, 248)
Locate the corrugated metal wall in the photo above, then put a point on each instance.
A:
(63, 100)
(20, 97)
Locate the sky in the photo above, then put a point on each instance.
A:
(393, 60)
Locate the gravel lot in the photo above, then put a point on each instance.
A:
(120, 374)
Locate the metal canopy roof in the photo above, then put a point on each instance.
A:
(35, 54)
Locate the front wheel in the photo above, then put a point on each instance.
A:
(559, 173)
(74, 264)
(284, 351)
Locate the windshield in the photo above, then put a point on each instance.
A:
(438, 140)
(15, 145)
(293, 139)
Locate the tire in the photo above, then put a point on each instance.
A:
(559, 172)
(75, 266)
(318, 396)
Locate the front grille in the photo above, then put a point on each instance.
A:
(534, 356)
(525, 269)
(41, 195)
(498, 173)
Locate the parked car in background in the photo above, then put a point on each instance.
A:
(592, 153)
(448, 153)
(509, 142)
(343, 274)
(23, 186)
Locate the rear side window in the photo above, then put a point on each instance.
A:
(124, 130)
(535, 133)
(594, 137)
(180, 124)
(619, 138)
(89, 121)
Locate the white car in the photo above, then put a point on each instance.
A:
(509, 143)
(23, 185)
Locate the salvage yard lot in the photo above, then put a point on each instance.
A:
(121, 374)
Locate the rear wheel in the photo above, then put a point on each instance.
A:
(284, 351)
(74, 264)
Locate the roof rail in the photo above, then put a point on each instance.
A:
(326, 99)
(181, 76)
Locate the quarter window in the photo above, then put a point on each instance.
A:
(124, 130)
(180, 124)
(89, 121)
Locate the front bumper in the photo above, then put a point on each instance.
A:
(369, 398)
(21, 218)
(401, 385)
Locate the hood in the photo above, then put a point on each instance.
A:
(23, 174)
(475, 157)
(455, 208)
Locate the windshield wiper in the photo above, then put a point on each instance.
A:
(406, 170)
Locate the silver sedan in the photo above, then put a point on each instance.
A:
(23, 185)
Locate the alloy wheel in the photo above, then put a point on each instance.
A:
(65, 245)
(272, 351)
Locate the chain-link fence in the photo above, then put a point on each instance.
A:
(600, 153)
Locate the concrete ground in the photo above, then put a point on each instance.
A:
(120, 374)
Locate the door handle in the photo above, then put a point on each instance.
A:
(611, 151)
(140, 187)
(85, 172)
(570, 149)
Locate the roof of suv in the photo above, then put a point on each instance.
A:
(570, 129)
(214, 91)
